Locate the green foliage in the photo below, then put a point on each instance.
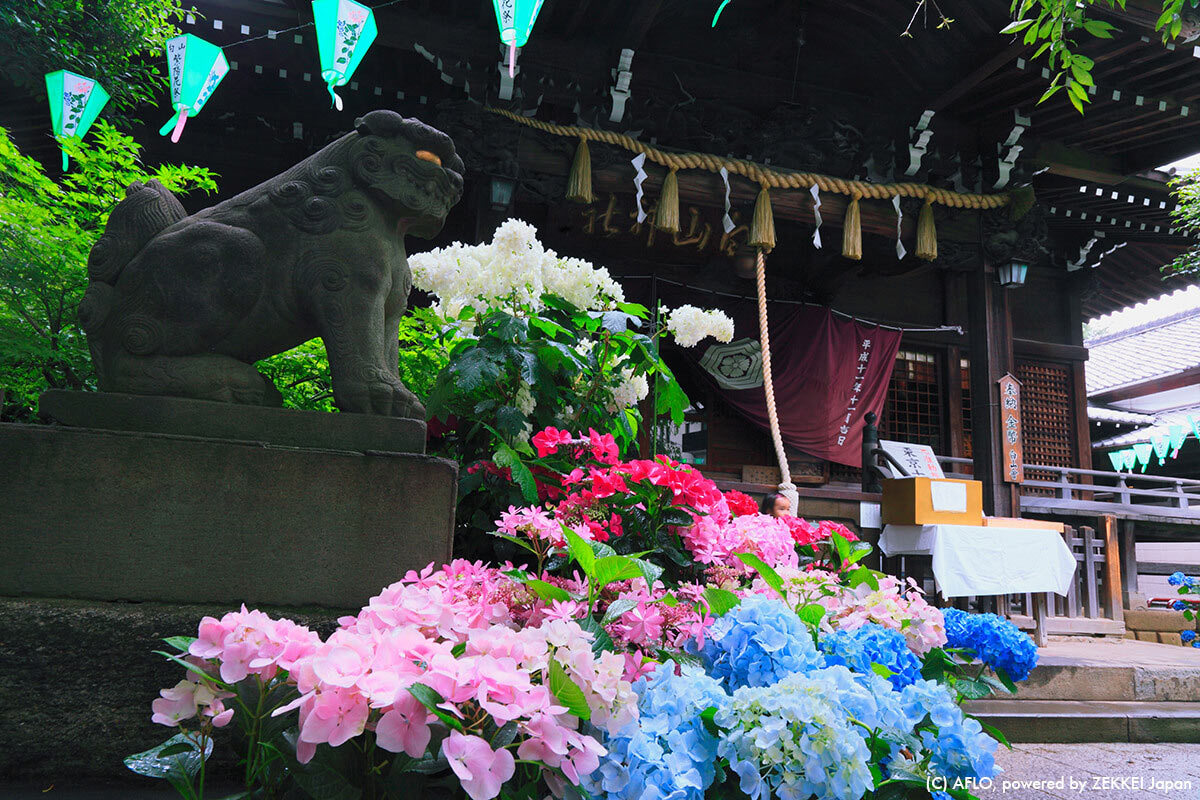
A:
(46, 232)
(302, 376)
(1056, 27)
(513, 375)
(118, 43)
(1186, 215)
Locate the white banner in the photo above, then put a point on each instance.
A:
(639, 161)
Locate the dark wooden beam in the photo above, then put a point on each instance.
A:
(1050, 350)
(978, 75)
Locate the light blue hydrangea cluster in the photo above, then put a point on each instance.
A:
(758, 643)
(1179, 579)
(667, 753)
(871, 644)
(994, 640)
(1189, 637)
(795, 739)
(960, 748)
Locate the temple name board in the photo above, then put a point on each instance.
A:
(1010, 429)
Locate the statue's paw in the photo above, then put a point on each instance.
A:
(382, 395)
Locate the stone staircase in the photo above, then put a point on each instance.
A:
(1103, 690)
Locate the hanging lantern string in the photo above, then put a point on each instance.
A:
(300, 27)
(766, 177)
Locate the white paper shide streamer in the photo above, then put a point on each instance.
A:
(900, 251)
(639, 162)
(727, 222)
(815, 191)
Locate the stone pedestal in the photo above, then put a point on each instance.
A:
(142, 514)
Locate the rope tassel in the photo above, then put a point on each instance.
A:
(927, 234)
(762, 229)
(667, 218)
(579, 182)
(852, 231)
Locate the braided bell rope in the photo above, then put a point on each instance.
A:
(765, 176)
(786, 487)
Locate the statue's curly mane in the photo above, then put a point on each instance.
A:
(324, 192)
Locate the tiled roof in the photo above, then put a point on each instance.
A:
(1154, 350)
(1101, 414)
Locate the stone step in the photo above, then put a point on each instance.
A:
(1065, 721)
(1112, 682)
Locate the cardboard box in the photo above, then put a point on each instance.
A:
(932, 501)
(1013, 522)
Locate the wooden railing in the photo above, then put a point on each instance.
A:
(1087, 492)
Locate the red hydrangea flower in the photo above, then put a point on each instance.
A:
(740, 503)
(548, 441)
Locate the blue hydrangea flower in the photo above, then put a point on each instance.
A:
(873, 644)
(757, 643)
(1177, 579)
(795, 739)
(959, 748)
(994, 640)
(667, 753)
(1187, 636)
(1179, 605)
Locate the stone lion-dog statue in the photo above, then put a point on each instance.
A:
(185, 305)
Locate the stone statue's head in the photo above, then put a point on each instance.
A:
(411, 167)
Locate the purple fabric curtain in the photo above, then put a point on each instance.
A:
(828, 372)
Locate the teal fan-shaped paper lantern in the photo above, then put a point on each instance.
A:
(345, 30)
(515, 19)
(75, 102)
(1178, 435)
(1129, 457)
(196, 67)
(1162, 446)
(1143, 450)
(1117, 458)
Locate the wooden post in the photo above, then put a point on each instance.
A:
(990, 346)
(952, 375)
(1112, 569)
(1040, 617)
(870, 440)
(1129, 567)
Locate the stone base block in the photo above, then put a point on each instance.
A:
(77, 679)
(279, 426)
(108, 515)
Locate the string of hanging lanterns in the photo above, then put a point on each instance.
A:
(345, 31)
(1160, 446)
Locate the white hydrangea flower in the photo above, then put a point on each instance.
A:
(514, 269)
(629, 392)
(525, 401)
(689, 325)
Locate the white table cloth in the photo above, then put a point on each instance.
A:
(974, 560)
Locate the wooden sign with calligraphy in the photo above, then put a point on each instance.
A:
(1010, 430)
(614, 217)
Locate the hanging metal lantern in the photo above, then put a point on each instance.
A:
(345, 30)
(75, 102)
(515, 19)
(196, 68)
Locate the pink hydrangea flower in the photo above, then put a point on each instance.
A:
(405, 727)
(481, 769)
